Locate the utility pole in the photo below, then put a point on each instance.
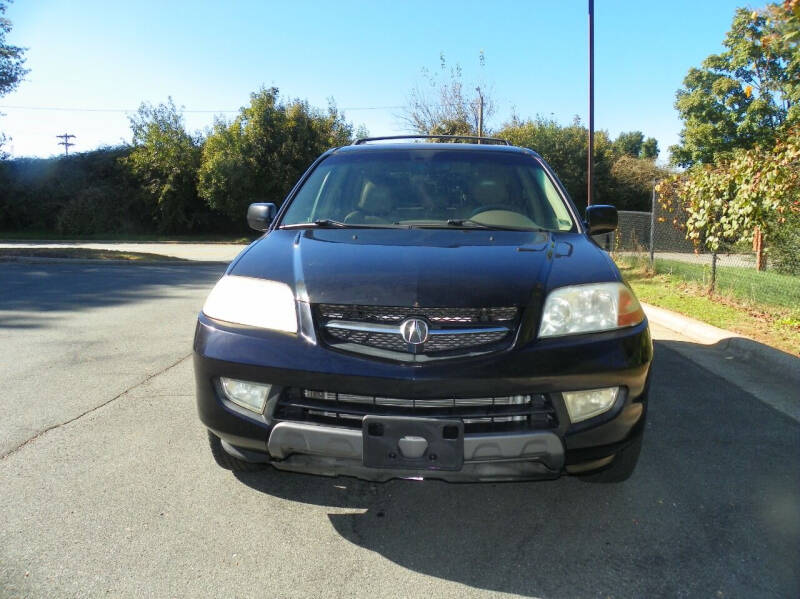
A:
(653, 225)
(480, 113)
(590, 160)
(66, 143)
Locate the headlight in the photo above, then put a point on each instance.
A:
(254, 302)
(589, 308)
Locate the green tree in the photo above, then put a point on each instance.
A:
(628, 143)
(746, 95)
(166, 158)
(566, 149)
(446, 105)
(12, 69)
(261, 154)
(632, 182)
(649, 148)
(633, 143)
(624, 169)
(725, 202)
(12, 59)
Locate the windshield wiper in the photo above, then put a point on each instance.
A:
(327, 223)
(466, 222)
(322, 223)
(455, 222)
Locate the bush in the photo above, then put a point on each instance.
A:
(82, 194)
(93, 211)
(165, 159)
(784, 247)
(261, 154)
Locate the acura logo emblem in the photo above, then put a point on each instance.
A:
(414, 331)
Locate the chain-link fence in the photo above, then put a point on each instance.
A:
(761, 271)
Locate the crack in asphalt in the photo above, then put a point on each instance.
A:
(148, 378)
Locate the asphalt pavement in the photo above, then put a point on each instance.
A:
(107, 486)
(206, 251)
(74, 336)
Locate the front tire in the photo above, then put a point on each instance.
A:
(227, 461)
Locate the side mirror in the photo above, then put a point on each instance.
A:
(260, 216)
(601, 219)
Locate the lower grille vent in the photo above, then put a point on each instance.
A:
(479, 414)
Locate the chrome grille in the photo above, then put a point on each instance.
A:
(468, 340)
(451, 331)
(395, 314)
(387, 341)
(478, 413)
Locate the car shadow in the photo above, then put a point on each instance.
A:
(30, 294)
(712, 509)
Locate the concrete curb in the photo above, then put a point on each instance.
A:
(176, 262)
(689, 327)
(737, 345)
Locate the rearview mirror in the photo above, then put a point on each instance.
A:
(260, 215)
(601, 219)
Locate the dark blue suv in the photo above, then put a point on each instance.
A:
(433, 310)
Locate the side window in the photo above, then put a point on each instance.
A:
(325, 193)
(532, 197)
(310, 198)
(337, 187)
(563, 218)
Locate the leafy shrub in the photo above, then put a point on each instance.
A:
(83, 194)
(784, 246)
(90, 212)
(261, 154)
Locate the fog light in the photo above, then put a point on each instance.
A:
(582, 405)
(252, 396)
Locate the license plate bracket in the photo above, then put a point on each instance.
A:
(413, 443)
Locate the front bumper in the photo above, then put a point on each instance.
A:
(330, 451)
(619, 358)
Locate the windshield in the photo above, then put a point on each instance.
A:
(430, 188)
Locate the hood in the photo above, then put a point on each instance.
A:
(423, 267)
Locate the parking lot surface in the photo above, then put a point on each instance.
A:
(214, 252)
(107, 486)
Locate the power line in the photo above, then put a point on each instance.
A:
(375, 107)
(66, 143)
(199, 110)
(69, 109)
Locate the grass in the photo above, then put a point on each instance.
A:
(758, 305)
(50, 236)
(81, 253)
(745, 284)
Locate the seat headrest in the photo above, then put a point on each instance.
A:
(489, 193)
(375, 199)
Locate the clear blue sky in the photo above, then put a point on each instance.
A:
(92, 54)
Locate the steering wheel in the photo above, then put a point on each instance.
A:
(491, 207)
(358, 216)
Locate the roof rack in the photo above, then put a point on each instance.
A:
(480, 140)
